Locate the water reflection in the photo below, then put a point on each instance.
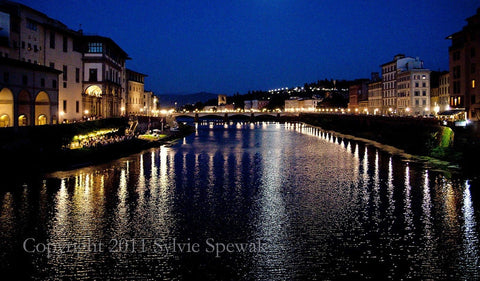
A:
(324, 206)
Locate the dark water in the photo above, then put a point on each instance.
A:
(305, 205)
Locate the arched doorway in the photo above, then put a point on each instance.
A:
(4, 121)
(42, 120)
(92, 101)
(24, 108)
(22, 120)
(6, 107)
(42, 109)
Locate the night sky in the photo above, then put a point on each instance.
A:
(236, 46)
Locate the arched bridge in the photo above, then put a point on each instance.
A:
(197, 116)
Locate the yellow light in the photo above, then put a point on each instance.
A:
(122, 108)
(86, 111)
(407, 109)
(62, 113)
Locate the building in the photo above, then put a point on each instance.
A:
(222, 100)
(413, 92)
(443, 92)
(301, 105)
(105, 82)
(389, 77)
(31, 36)
(464, 60)
(375, 100)
(255, 105)
(135, 104)
(358, 96)
(150, 103)
(28, 94)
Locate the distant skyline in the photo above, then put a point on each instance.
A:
(236, 46)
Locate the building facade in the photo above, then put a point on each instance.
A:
(28, 94)
(135, 104)
(375, 100)
(358, 96)
(444, 92)
(464, 59)
(413, 92)
(389, 79)
(104, 85)
(31, 36)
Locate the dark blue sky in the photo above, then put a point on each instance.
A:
(224, 46)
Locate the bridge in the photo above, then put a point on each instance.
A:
(234, 115)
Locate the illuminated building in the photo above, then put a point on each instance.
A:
(28, 94)
(104, 83)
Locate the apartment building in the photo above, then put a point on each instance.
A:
(413, 92)
(464, 60)
(389, 80)
(375, 100)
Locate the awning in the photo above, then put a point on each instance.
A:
(451, 112)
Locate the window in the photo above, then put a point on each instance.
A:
(64, 84)
(424, 93)
(65, 68)
(456, 87)
(456, 55)
(473, 68)
(23, 44)
(42, 82)
(6, 77)
(417, 93)
(472, 99)
(65, 43)
(52, 65)
(416, 102)
(77, 75)
(32, 25)
(52, 39)
(456, 72)
(24, 80)
(92, 75)
(65, 106)
(77, 106)
(54, 84)
(424, 77)
(416, 84)
(424, 102)
(29, 47)
(473, 84)
(424, 84)
(95, 47)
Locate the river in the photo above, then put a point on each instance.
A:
(244, 201)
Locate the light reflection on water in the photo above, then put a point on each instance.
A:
(325, 207)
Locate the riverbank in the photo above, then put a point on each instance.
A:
(421, 139)
(77, 158)
(32, 151)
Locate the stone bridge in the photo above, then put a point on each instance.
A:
(225, 116)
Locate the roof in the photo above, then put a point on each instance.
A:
(107, 40)
(28, 65)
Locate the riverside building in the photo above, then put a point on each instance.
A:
(91, 70)
(464, 60)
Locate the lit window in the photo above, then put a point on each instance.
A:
(473, 84)
(95, 47)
